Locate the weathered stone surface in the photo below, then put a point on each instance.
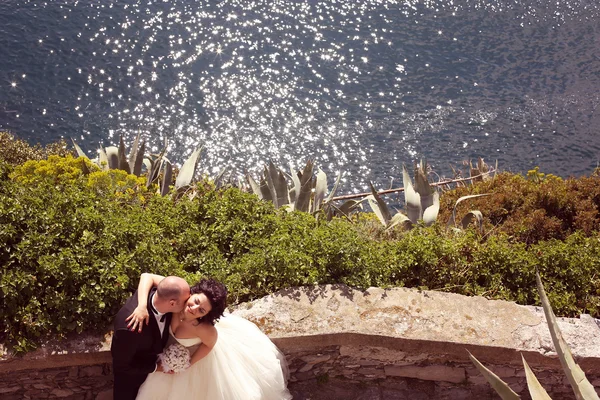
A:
(428, 373)
(342, 343)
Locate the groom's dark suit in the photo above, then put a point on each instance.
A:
(134, 354)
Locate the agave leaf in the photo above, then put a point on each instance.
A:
(505, 392)
(451, 221)
(220, 176)
(413, 199)
(136, 157)
(581, 386)
(80, 152)
(422, 185)
(268, 180)
(148, 163)
(279, 185)
(473, 215)
(335, 186)
(255, 188)
(133, 154)
(307, 173)
(320, 189)
(295, 191)
(303, 199)
(397, 219)
(347, 207)
(103, 160)
(536, 390)
(112, 153)
(123, 164)
(378, 212)
(264, 189)
(167, 178)
(188, 170)
(382, 208)
(430, 214)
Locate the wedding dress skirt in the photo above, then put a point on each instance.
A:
(243, 365)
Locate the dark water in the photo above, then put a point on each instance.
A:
(360, 86)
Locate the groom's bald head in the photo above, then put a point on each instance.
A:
(173, 291)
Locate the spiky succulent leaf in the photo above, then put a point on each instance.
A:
(382, 208)
(451, 221)
(422, 186)
(80, 152)
(103, 162)
(121, 154)
(430, 214)
(581, 386)
(295, 191)
(280, 188)
(335, 187)
(306, 183)
(112, 153)
(264, 189)
(377, 210)
(505, 392)
(320, 189)
(536, 390)
(136, 157)
(473, 215)
(399, 219)
(188, 170)
(413, 199)
(255, 188)
(167, 178)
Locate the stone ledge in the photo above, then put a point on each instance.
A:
(402, 319)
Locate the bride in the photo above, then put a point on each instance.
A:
(231, 359)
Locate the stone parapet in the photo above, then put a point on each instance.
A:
(344, 343)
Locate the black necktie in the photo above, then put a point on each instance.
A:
(155, 311)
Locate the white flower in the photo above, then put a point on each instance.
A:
(175, 358)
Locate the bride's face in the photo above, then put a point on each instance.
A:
(197, 306)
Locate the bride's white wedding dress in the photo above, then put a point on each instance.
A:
(243, 365)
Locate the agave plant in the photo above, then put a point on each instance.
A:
(422, 201)
(582, 387)
(113, 157)
(307, 193)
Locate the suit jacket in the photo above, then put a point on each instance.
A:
(135, 354)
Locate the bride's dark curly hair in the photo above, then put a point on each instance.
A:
(216, 293)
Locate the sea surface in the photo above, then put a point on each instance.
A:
(359, 86)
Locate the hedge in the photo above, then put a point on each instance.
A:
(72, 247)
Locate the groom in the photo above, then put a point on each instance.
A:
(135, 354)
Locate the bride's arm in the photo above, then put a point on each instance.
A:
(208, 334)
(147, 282)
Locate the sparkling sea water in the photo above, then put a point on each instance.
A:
(360, 86)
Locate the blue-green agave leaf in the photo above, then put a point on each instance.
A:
(505, 392)
(188, 170)
(536, 390)
(413, 199)
(581, 386)
(320, 189)
(451, 221)
(167, 178)
(430, 214)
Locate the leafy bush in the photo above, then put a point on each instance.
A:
(534, 208)
(72, 247)
(16, 151)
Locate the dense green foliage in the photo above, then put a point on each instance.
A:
(73, 244)
(16, 151)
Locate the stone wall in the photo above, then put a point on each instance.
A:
(345, 344)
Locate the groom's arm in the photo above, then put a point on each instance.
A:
(124, 348)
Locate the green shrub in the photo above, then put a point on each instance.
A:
(16, 151)
(72, 247)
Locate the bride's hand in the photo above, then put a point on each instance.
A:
(136, 318)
